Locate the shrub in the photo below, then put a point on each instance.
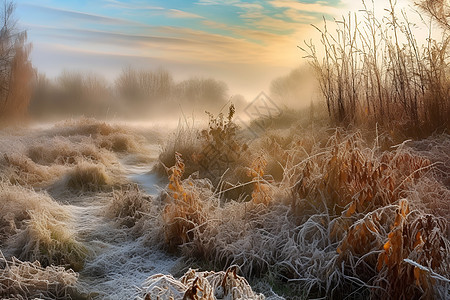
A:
(184, 209)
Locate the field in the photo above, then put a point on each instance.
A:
(333, 185)
(90, 211)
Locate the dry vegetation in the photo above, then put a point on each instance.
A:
(375, 71)
(34, 227)
(199, 285)
(129, 205)
(346, 220)
(216, 153)
(308, 210)
(27, 280)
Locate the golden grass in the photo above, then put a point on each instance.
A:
(34, 227)
(88, 177)
(110, 137)
(65, 151)
(20, 169)
(86, 127)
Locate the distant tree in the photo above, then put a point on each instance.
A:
(16, 70)
(294, 89)
(81, 93)
(202, 94)
(144, 86)
(42, 97)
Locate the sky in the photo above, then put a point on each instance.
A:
(244, 43)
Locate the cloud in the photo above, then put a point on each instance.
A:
(318, 7)
(138, 6)
(131, 5)
(176, 13)
(93, 37)
(79, 16)
(218, 2)
(298, 16)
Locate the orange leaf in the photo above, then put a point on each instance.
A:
(417, 275)
(387, 245)
(351, 210)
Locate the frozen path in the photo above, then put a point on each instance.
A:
(118, 262)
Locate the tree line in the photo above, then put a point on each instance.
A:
(134, 93)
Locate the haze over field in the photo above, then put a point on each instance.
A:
(243, 43)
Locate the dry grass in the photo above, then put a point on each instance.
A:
(129, 205)
(184, 141)
(184, 209)
(88, 177)
(199, 285)
(347, 220)
(26, 280)
(375, 71)
(20, 169)
(66, 151)
(110, 137)
(216, 153)
(83, 149)
(33, 227)
(86, 127)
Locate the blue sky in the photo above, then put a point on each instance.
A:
(245, 43)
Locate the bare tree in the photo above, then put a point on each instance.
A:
(16, 71)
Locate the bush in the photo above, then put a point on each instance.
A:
(346, 220)
(128, 205)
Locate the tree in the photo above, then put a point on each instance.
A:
(144, 86)
(295, 89)
(200, 94)
(16, 70)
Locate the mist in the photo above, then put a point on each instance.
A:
(224, 150)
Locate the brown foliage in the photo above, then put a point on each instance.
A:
(16, 71)
(183, 210)
(367, 77)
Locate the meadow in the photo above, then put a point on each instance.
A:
(345, 199)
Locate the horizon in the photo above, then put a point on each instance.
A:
(246, 44)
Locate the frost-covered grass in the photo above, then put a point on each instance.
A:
(33, 226)
(345, 220)
(305, 211)
(29, 280)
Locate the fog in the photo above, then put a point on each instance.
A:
(326, 178)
